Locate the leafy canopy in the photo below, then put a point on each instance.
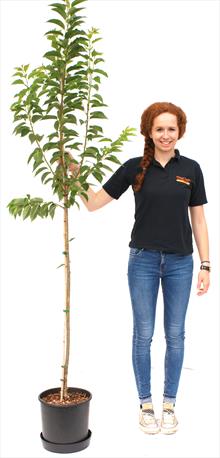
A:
(63, 98)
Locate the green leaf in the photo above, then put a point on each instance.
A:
(47, 181)
(33, 137)
(36, 118)
(70, 97)
(51, 136)
(60, 9)
(52, 210)
(99, 97)
(60, 266)
(57, 22)
(74, 146)
(26, 211)
(97, 79)
(50, 145)
(37, 200)
(53, 83)
(105, 139)
(91, 149)
(75, 52)
(18, 74)
(96, 39)
(98, 176)
(70, 118)
(18, 201)
(98, 114)
(113, 159)
(74, 11)
(19, 82)
(21, 94)
(84, 195)
(98, 60)
(34, 212)
(95, 53)
(95, 86)
(70, 133)
(54, 32)
(34, 154)
(18, 128)
(103, 166)
(36, 165)
(95, 129)
(96, 104)
(60, 12)
(56, 156)
(51, 54)
(49, 117)
(24, 131)
(75, 202)
(44, 176)
(76, 2)
(101, 72)
(38, 156)
(58, 5)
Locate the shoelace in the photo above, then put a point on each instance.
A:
(168, 415)
(149, 415)
(169, 411)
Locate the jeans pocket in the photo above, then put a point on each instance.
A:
(136, 251)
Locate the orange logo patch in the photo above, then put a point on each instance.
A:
(183, 180)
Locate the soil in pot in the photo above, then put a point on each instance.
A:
(72, 398)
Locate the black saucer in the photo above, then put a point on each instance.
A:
(66, 448)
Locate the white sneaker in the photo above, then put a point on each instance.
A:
(169, 423)
(147, 421)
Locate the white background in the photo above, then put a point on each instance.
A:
(154, 51)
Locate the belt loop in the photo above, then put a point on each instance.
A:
(162, 257)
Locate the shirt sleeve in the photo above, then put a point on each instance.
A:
(119, 182)
(198, 193)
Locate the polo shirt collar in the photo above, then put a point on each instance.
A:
(177, 154)
(176, 157)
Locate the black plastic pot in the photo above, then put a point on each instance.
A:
(65, 427)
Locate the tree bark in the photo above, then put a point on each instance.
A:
(66, 311)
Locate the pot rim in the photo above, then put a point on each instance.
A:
(53, 390)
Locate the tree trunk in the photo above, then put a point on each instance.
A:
(66, 336)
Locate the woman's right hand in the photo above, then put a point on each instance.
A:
(73, 167)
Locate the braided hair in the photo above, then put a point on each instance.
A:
(147, 120)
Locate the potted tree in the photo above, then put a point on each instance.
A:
(59, 107)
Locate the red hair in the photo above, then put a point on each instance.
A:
(147, 120)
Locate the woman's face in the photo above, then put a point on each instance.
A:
(165, 132)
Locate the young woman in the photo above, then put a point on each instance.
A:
(165, 184)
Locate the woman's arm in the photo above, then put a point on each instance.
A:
(200, 232)
(96, 199)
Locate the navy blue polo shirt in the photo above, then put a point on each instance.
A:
(161, 206)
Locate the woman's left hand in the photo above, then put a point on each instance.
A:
(203, 282)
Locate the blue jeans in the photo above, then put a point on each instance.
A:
(145, 269)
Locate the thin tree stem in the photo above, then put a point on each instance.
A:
(66, 336)
(90, 80)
